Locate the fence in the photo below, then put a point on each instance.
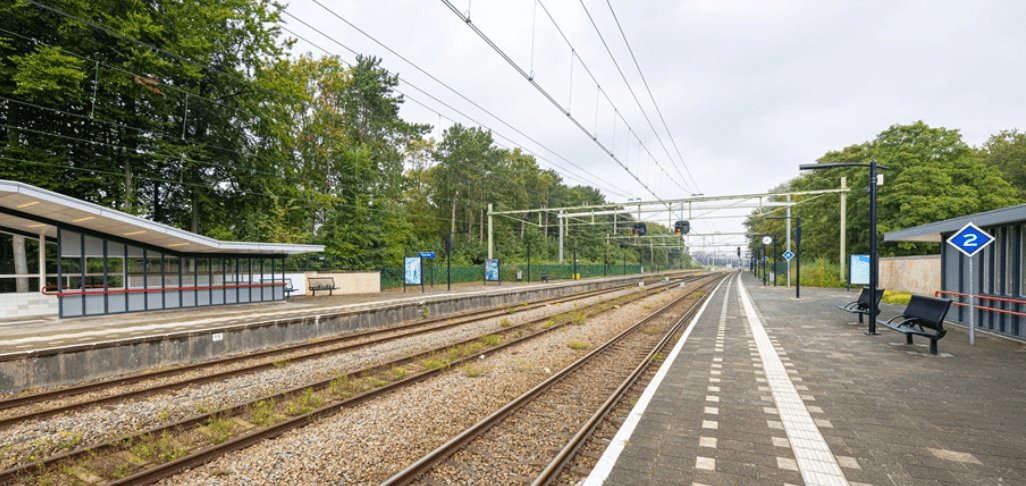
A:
(393, 277)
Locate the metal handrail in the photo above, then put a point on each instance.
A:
(985, 297)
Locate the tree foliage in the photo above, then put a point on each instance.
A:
(932, 175)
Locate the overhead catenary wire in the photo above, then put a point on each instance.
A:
(650, 95)
(629, 88)
(569, 175)
(168, 53)
(435, 79)
(595, 80)
(176, 156)
(544, 92)
(603, 184)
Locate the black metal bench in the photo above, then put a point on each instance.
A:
(545, 276)
(924, 316)
(288, 288)
(321, 283)
(861, 306)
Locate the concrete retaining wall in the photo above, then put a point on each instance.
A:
(27, 304)
(349, 282)
(72, 364)
(916, 274)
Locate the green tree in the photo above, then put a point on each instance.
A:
(1007, 151)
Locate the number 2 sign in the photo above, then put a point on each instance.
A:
(970, 239)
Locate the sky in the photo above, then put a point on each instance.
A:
(749, 90)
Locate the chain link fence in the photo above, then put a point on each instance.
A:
(393, 277)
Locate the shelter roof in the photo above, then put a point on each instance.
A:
(31, 210)
(931, 232)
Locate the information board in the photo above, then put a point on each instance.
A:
(413, 273)
(491, 270)
(858, 270)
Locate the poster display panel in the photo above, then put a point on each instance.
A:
(492, 270)
(858, 270)
(413, 270)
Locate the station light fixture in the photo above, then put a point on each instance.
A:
(25, 205)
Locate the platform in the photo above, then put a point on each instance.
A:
(768, 389)
(45, 352)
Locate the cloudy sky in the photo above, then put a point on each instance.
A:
(748, 89)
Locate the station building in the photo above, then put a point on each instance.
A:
(61, 255)
(999, 269)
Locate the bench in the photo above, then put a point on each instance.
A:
(287, 287)
(926, 314)
(322, 283)
(545, 276)
(861, 306)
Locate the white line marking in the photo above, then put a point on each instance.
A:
(814, 459)
(605, 464)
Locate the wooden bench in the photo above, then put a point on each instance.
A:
(861, 306)
(321, 283)
(288, 288)
(545, 276)
(924, 316)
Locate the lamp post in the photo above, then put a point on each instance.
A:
(873, 259)
(797, 253)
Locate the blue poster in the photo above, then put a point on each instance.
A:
(858, 270)
(492, 270)
(412, 266)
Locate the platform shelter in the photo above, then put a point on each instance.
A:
(61, 255)
(999, 271)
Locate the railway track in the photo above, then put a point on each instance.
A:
(535, 437)
(115, 390)
(162, 451)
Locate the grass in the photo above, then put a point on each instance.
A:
(505, 323)
(892, 297)
(221, 429)
(426, 312)
(548, 324)
(399, 373)
(474, 371)
(577, 345)
(281, 363)
(262, 413)
(490, 340)
(162, 448)
(435, 363)
(304, 403)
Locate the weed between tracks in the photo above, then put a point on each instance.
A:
(472, 371)
(263, 413)
(304, 403)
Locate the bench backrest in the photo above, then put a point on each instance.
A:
(864, 297)
(287, 281)
(322, 281)
(929, 310)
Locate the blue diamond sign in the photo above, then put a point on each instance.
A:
(970, 239)
(788, 255)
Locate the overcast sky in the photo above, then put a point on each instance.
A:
(749, 89)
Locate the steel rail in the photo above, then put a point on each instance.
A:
(467, 317)
(566, 454)
(429, 461)
(15, 475)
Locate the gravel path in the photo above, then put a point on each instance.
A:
(47, 437)
(368, 444)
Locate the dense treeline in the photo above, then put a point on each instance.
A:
(193, 113)
(933, 175)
